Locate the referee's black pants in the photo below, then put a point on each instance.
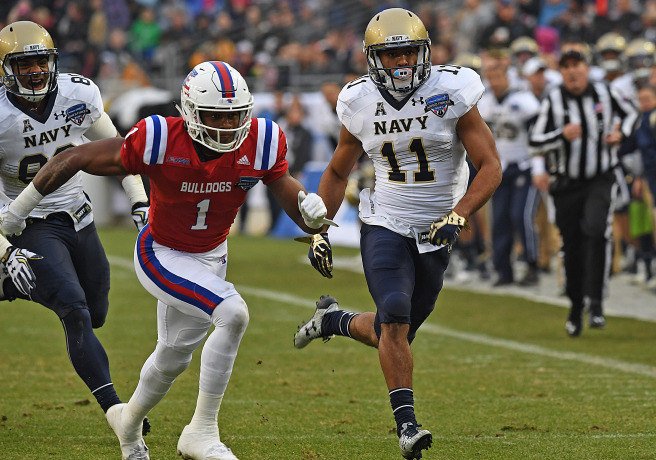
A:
(583, 216)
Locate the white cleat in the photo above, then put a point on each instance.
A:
(413, 440)
(133, 446)
(311, 330)
(203, 445)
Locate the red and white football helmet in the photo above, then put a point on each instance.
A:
(215, 86)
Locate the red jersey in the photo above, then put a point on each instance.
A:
(194, 203)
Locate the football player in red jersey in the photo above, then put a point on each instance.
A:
(200, 166)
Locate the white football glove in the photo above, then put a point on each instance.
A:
(16, 264)
(313, 210)
(11, 223)
(140, 214)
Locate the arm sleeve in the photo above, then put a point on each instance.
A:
(102, 128)
(545, 135)
(626, 111)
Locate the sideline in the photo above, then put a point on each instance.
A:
(291, 299)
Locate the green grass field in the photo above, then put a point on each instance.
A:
(495, 377)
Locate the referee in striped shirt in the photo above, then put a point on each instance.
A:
(578, 131)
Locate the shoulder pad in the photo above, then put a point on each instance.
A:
(462, 84)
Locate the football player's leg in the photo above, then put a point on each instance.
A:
(388, 261)
(429, 278)
(92, 269)
(200, 438)
(178, 335)
(58, 288)
(502, 232)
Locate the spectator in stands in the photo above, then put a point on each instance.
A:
(506, 27)
(470, 21)
(145, 35)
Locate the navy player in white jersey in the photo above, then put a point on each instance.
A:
(414, 121)
(42, 113)
(508, 112)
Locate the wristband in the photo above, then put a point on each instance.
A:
(26, 201)
(4, 245)
(134, 189)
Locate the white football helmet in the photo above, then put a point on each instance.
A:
(24, 40)
(215, 86)
(397, 28)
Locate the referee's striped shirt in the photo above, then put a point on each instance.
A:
(597, 110)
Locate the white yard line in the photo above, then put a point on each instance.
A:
(291, 299)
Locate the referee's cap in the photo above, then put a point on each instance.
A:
(572, 55)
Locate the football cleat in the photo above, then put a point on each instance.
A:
(203, 445)
(133, 446)
(597, 321)
(413, 440)
(573, 328)
(311, 330)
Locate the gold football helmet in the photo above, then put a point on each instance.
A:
(524, 45)
(609, 48)
(24, 43)
(397, 28)
(639, 55)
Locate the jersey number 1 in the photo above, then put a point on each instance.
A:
(203, 207)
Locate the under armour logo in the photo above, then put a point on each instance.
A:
(60, 114)
(417, 101)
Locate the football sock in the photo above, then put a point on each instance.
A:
(403, 407)
(89, 357)
(106, 396)
(207, 411)
(337, 323)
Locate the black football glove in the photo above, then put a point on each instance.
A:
(140, 214)
(445, 231)
(320, 253)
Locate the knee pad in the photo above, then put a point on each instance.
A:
(231, 314)
(171, 361)
(76, 323)
(395, 308)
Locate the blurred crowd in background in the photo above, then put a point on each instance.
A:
(297, 54)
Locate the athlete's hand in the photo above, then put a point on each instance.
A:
(16, 264)
(140, 214)
(445, 231)
(320, 253)
(313, 210)
(11, 223)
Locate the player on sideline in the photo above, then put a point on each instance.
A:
(414, 121)
(42, 113)
(201, 166)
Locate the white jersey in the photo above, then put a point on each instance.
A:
(508, 120)
(418, 158)
(625, 86)
(29, 140)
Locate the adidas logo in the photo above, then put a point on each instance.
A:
(243, 161)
